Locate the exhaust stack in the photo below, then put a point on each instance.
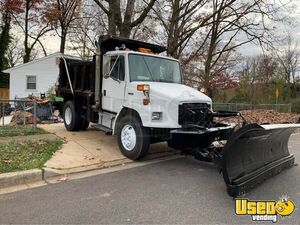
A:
(97, 105)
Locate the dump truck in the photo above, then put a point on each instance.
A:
(131, 90)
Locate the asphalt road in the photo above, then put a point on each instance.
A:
(176, 191)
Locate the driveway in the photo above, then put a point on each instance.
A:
(92, 148)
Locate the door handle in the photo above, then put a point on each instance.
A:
(104, 92)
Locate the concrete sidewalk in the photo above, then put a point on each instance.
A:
(91, 149)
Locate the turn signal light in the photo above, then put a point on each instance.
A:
(144, 87)
(204, 90)
(145, 50)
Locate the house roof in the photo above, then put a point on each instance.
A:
(54, 55)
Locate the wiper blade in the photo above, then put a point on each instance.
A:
(151, 75)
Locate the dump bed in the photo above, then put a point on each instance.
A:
(76, 83)
(82, 77)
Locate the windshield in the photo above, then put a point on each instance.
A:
(149, 68)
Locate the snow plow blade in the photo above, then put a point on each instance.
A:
(254, 153)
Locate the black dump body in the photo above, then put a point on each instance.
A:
(81, 88)
(82, 76)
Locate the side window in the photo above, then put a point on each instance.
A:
(31, 82)
(117, 68)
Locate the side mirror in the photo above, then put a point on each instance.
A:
(106, 66)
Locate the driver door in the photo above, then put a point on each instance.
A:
(113, 87)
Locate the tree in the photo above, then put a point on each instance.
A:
(289, 60)
(89, 24)
(180, 20)
(62, 14)
(14, 53)
(210, 31)
(236, 25)
(258, 79)
(33, 25)
(7, 9)
(248, 78)
(123, 23)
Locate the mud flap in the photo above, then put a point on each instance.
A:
(253, 154)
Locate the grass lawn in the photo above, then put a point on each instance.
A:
(11, 131)
(17, 156)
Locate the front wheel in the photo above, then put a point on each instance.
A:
(133, 138)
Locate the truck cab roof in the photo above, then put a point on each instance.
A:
(110, 43)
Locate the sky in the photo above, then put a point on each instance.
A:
(297, 18)
(246, 50)
(294, 30)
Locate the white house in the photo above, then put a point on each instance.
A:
(36, 77)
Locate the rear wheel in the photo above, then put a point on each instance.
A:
(133, 138)
(84, 124)
(71, 117)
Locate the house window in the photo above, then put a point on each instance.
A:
(31, 83)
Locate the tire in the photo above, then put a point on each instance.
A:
(84, 124)
(71, 117)
(137, 146)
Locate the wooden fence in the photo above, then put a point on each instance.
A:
(4, 93)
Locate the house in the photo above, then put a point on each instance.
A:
(36, 77)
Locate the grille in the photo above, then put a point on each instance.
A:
(195, 114)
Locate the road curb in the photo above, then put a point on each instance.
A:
(8, 180)
(22, 177)
(53, 172)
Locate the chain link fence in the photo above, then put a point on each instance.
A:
(18, 116)
(284, 108)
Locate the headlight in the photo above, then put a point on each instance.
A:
(156, 115)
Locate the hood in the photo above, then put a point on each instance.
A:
(178, 92)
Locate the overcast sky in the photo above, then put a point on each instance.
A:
(297, 20)
(247, 50)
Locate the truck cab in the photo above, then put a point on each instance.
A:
(144, 91)
(149, 84)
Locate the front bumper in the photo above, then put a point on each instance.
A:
(198, 138)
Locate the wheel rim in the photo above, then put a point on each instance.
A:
(68, 116)
(128, 137)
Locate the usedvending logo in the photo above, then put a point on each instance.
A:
(264, 210)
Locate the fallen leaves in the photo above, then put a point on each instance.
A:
(64, 178)
(263, 117)
(7, 161)
(24, 155)
(89, 157)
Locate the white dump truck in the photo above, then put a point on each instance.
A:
(131, 91)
